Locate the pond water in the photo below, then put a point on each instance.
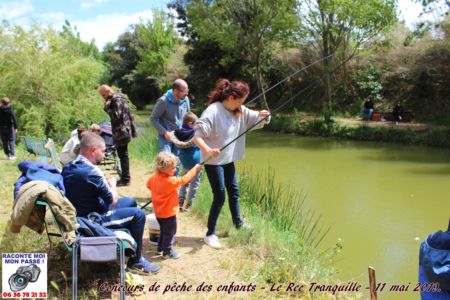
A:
(380, 199)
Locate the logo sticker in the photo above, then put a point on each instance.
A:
(24, 275)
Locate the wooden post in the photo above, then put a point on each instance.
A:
(372, 283)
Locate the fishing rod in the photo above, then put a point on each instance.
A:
(273, 112)
(263, 119)
(288, 77)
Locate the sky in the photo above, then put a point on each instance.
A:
(105, 20)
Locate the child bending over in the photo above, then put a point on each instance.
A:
(164, 188)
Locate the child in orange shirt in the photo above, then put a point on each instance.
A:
(164, 185)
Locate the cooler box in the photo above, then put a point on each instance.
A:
(376, 116)
(153, 228)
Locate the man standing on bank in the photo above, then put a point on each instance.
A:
(168, 113)
(123, 128)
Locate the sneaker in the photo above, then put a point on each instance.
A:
(245, 226)
(159, 251)
(12, 158)
(187, 207)
(143, 267)
(213, 241)
(173, 254)
(122, 182)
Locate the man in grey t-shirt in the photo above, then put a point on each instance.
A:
(168, 113)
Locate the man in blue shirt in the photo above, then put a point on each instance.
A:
(90, 191)
(168, 113)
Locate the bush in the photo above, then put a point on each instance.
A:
(52, 85)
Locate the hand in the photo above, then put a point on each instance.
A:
(167, 136)
(263, 114)
(213, 152)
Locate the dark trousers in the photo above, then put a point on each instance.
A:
(126, 214)
(8, 136)
(220, 178)
(168, 229)
(122, 152)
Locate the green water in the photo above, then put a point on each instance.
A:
(377, 198)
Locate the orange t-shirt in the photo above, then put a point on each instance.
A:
(164, 190)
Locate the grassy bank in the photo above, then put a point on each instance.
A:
(430, 136)
(282, 244)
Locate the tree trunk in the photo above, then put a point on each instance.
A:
(263, 100)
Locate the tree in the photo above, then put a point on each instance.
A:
(53, 86)
(339, 29)
(158, 40)
(245, 28)
(204, 57)
(139, 58)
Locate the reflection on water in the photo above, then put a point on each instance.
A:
(377, 198)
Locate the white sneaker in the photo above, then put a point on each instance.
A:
(213, 241)
(12, 158)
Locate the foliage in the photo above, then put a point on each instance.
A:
(158, 40)
(139, 59)
(245, 29)
(341, 29)
(432, 136)
(123, 58)
(52, 84)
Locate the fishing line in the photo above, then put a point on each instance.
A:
(290, 100)
(288, 77)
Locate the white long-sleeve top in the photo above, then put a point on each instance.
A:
(68, 151)
(218, 126)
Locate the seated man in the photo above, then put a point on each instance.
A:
(90, 191)
(367, 110)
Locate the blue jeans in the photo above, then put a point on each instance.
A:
(126, 214)
(165, 145)
(189, 188)
(366, 114)
(223, 177)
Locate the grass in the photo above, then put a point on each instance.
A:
(282, 245)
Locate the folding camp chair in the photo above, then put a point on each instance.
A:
(74, 248)
(44, 149)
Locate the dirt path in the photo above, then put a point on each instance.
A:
(198, 263)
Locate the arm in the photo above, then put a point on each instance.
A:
(200, 142)
(180, 180)
(156, 115)
(106, 188)
(253, 117)
(180, 144)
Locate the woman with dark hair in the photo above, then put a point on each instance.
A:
(225, 119)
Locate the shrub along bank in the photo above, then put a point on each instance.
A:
(431, 136)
